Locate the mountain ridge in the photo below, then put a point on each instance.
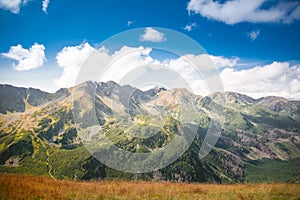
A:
(42, 138)
(221, 97)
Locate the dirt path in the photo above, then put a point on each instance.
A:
(49, 166)
(47, 154)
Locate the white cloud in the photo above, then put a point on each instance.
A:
(199, 71)
(276, 79)
(295, 86)
(220, 61)
(190, 26)
(152, 35)
(12, 5)
(236, 11)
(45, 5)
(129, 23)
(253, 35)
(295, 15)
(127, 59)
(27, 59)
(71, 59)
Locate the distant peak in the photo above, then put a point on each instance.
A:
(111, 83)
(158, 89)
(272, 98)
(155, 90)
(231, 97)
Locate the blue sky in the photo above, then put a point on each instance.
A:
(256, 39)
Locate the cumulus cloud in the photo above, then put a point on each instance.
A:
(128, 59)
(134, 58)
(152, 35)
(71, 59)
(275, 79)
(12, 5)
(190, 26)
(253, 35)
(236, 11)
(27, 59)
(45, 5)
(221, 61)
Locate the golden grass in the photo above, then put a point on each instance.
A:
(32, 187)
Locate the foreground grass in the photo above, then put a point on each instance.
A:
(32, 187)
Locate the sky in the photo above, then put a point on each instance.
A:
(253, 44)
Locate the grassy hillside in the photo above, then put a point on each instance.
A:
(32, 187)
(267, 170)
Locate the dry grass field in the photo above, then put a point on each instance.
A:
(32, 187)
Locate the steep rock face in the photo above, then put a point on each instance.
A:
(14, 98)
(39, 133)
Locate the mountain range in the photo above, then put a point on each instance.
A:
(259, 142)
